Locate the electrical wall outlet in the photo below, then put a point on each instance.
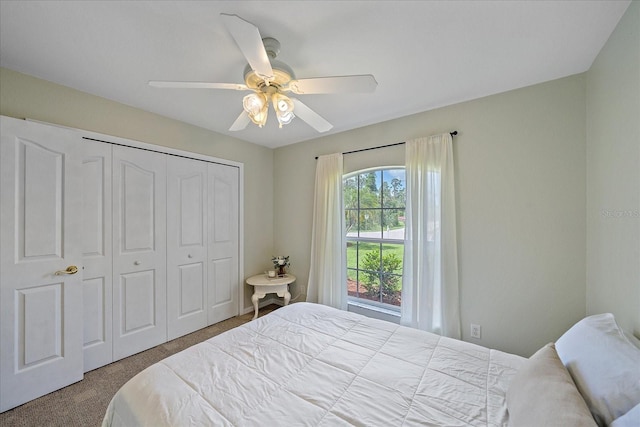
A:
(476, 331)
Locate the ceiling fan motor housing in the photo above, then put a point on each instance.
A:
(282, 73)
(272, 46)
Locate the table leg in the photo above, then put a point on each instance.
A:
(287, 297)
(254, 300)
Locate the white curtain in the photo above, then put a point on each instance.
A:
(327, 273)
(430, 276)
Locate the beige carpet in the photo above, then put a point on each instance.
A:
(84, 403)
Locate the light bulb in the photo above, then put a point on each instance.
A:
(254, 103)
(281, 103)
(261, 118)
(283, 107)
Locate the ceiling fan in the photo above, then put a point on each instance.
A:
(269, 80)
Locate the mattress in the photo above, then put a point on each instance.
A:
(308, 364)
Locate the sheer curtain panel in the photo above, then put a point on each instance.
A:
(327, 273)
(430, 274)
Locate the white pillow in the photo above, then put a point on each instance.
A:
(630, 419)
(632, 339)
(604, 365)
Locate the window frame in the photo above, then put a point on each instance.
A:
(359, 301)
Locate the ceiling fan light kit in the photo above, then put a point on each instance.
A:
(269, 78)
(256, 105)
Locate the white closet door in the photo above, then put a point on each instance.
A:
(40, 230)
(223, 242)
(186, 246)
(139, 250)
(97, 257)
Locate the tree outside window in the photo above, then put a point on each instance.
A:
(374, 221)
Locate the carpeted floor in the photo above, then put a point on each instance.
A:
(85, 402)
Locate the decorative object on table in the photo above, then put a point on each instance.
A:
(280, 263)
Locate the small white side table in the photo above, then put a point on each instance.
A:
(263, 285)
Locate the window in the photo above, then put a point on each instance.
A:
(374, 221)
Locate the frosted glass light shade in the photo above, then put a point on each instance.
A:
(284, 118)
(283, 107)
(256, 105)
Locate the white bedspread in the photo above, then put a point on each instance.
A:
(308, 364)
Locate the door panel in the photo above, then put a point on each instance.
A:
(95, 186)
(40, 324)
(40, 175)
(223, 243)
(97, 255)
(139, 242)
(40, 234)
(186, 245)
(190, 281)
(94, 313)
(138, 292)
(222, 269)
(137, 193)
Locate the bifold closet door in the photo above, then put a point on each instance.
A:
(139, 250)
(186, 245)
(40, 235)
(223, 217)
(97, 257)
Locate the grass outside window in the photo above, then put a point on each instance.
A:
(374, 217)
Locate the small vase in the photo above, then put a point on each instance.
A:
(281, 270)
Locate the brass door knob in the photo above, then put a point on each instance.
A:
(72, 269)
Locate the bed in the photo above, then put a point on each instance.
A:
(308, 364)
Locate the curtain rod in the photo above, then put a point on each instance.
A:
(454, 133)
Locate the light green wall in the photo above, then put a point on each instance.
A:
(22, 96)
(548, 181)
(520, 159)
(613, 175)
(531, 228)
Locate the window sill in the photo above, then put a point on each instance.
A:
(373, 311)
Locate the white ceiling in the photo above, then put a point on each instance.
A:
(424, 54)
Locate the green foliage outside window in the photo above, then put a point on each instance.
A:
(383, 272)
(374, 204)
(363, 200)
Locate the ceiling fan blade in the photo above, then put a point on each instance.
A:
(197, 85)
(339, 84)
(312, 118)
(241, 122)
(250, 43)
